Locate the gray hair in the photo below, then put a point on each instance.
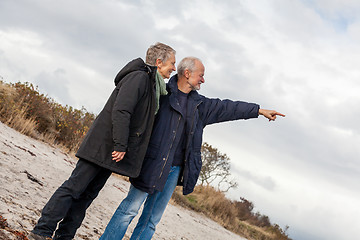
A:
(158, 51)
(187, 63)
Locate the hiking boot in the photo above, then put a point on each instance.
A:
(33, 236)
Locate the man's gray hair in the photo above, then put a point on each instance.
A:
(158, 51)
(187, 63)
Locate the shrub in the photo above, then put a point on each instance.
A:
(25, 109)
(37, 106)
(71, 124)
(236, 216)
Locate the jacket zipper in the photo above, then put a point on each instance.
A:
(172, 142)
(187, 144)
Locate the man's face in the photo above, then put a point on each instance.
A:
(196, 78)
(166, 68)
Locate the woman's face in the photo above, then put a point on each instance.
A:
(166, 68)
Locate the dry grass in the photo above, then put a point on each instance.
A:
(24, 125)
(13, 116)
(23, 108)
(215, 205)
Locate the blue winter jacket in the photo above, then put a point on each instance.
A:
(201, 111)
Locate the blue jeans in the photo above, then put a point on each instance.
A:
(154, 208)
(69, 202)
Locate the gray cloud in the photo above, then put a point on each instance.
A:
(265, 182)
(55, 84)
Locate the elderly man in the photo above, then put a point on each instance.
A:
(121, 130)
(173, 156)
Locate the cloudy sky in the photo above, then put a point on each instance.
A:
(300, 57)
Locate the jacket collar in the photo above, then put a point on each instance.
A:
(173, 87)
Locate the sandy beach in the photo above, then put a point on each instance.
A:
(30, 171)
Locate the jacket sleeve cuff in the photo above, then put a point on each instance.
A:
(119, 148)
(257, 111)
(253, 111)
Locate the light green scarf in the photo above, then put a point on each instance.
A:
(160, 89)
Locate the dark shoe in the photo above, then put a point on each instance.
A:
(33, 236)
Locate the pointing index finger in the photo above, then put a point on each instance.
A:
(280, 114)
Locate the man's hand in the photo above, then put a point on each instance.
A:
(270, 114)
(117, 156)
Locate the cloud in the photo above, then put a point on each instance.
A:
(56, 85)
(264, 181)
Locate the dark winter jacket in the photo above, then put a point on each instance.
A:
(125, 123)
(201, 111)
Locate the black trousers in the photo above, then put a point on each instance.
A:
(69, 202)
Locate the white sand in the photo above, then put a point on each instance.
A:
(21, 199)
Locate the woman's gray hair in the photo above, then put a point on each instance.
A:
(158, 51)
(187, 63)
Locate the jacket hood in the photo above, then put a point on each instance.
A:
(135, 65)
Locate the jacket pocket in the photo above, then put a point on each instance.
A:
(134, 139)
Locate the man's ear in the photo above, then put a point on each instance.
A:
(158, 62)
(187, 73)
